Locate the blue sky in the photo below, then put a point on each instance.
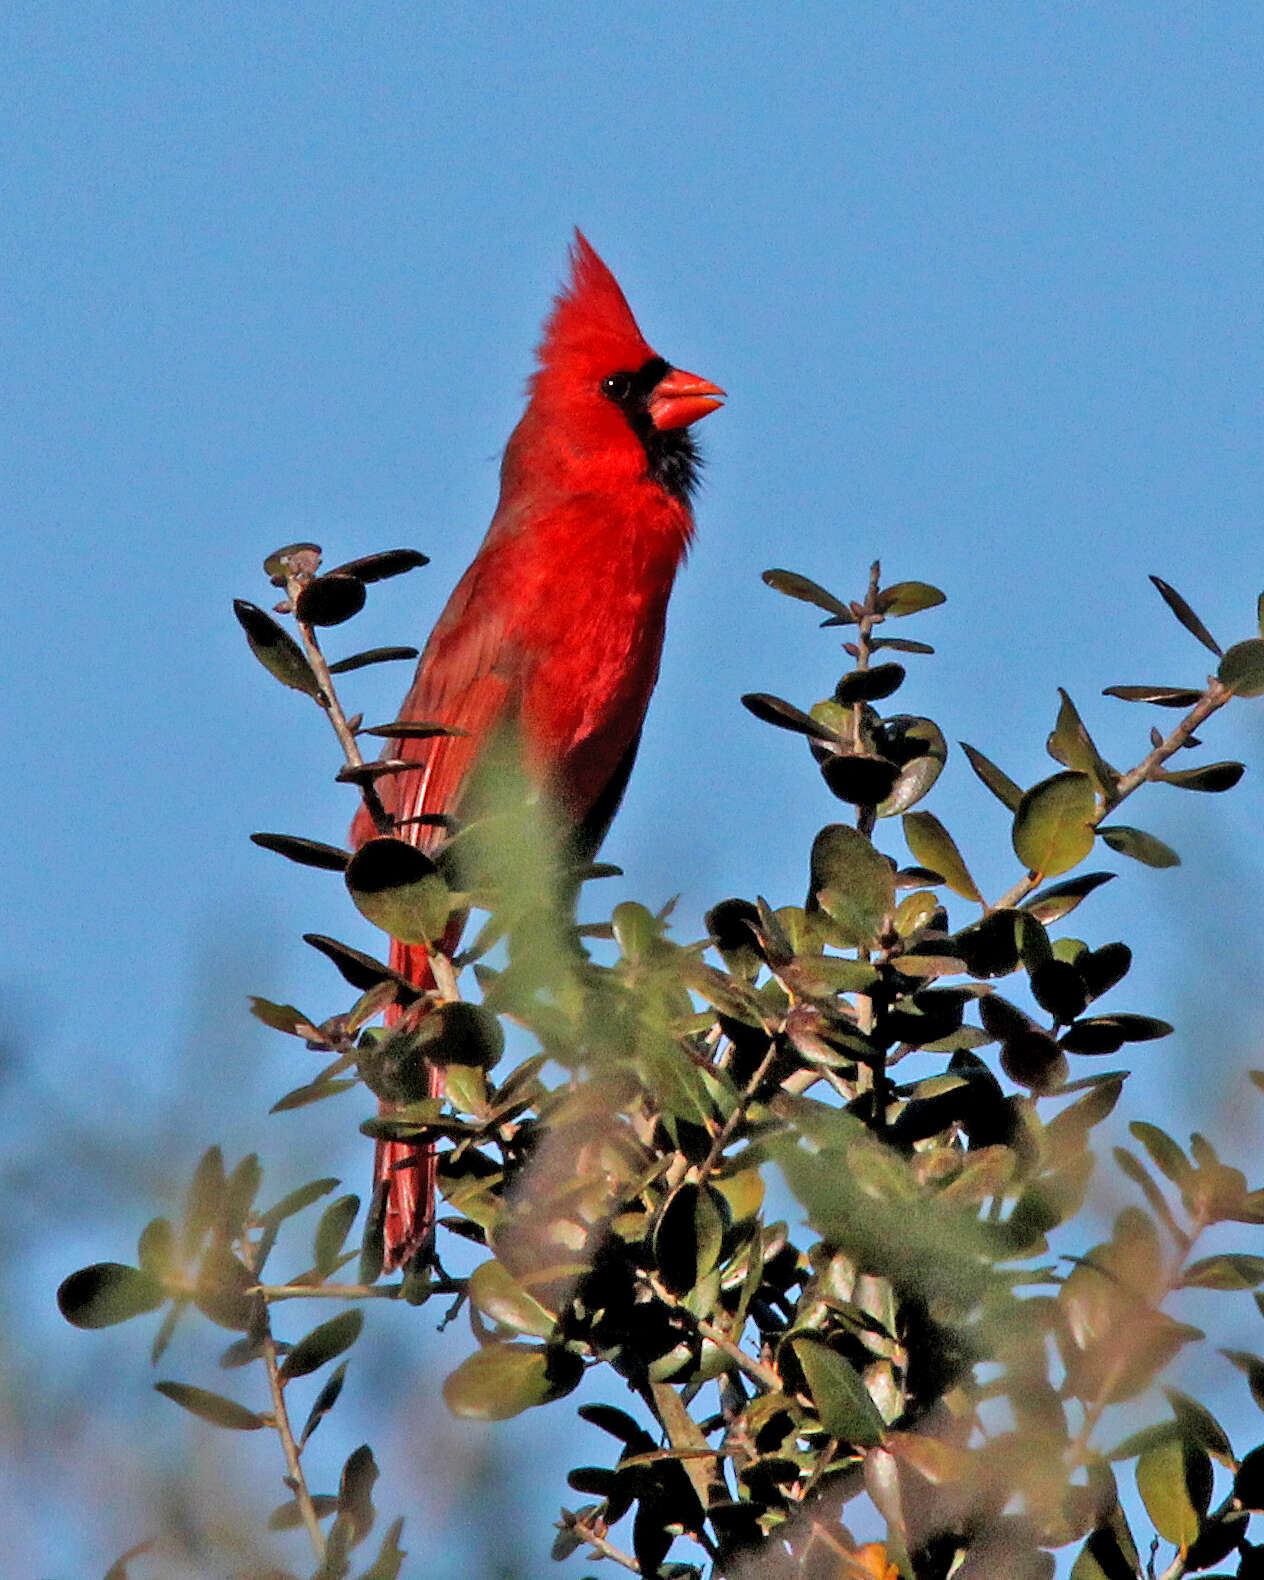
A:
(983, 284)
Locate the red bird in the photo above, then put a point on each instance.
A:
(558, 623)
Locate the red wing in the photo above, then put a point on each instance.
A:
(467, 679)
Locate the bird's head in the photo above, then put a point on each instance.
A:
(602, 380)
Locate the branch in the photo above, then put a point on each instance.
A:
(1212, 699)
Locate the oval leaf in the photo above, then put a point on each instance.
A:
(276, 649)
(212, 1407)
(372, 655)
(842, 1401)
(1053, 828)
(1135, 842)
(1212, 777)
(903, 598)
(1186, 615)
(306, 852)
(775, 710)
(869, 685)
(399, 889)
(106, 1293)
(322, 1344)
(499, 1295)
(852, 882)
(329, 600)
(503, 1380)
(377, 567)
(807, 591)
(934, 847)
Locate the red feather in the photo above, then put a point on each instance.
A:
(558, 623)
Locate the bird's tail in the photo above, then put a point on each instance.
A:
(404, 1171)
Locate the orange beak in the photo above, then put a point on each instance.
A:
(680, 398)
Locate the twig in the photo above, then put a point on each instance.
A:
(281, 1423)
(1213, 698)
(744, 1100)
(756, 1370)
(599, 1544)
(382, 820)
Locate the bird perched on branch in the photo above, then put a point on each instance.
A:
(557, 626)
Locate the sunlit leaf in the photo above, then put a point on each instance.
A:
(933, 846)
(502, 1380)
(999, 783)
(842, 1401)
(1053, 827)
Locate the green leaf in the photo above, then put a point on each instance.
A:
(688, 1235)
(330, 599)
(1199, 1425)
(373, 655)
(322, 1344)
(903, 598)
(1186, 615)
(212, 1407)
(399, 889)
(499, 1295)
(859, 778)
(1071, 745)
(306, 852)
(313, 1092)
(1109, 1553)
(1060, 899)
(1211, 777)
(390, 1557)
(842, 1401)
(775, 710)
(869, 685)
(204, 1203)
(852, 882)
(276, 649)
(1000, 784)
(933, 846)
(355, 1489)
(1253, 1368)
(1166, 1154)
(1053, 827)
(282, 1017)
(795, 586)
(386, 563)
(918, 746)
(1162, 696)
(1248, 1484)
(156, 1248)
(410, 730)
(326, 1399)
(304, 1196)
(503, 1380)
(1228, 1270)
(1174, 1480)
(1135, 842)
(332, 1231)
(106, 1293)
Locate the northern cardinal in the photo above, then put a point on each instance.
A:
(558, 623)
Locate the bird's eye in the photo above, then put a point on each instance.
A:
(617, 386)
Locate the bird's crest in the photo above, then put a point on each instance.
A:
(591, 323)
